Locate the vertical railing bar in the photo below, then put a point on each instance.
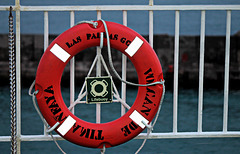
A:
(201, 70)
(98, 73)
(46, 43)
(226, 76)
(150, 27)
(72, 68)
(18, 76)
(176, 57)
(46, 30)
(151, 24)
(124, 70)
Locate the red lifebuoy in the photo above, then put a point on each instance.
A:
(81, 132)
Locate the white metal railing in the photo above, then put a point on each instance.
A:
(124, 8)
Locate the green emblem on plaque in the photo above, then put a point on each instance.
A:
(99, 89)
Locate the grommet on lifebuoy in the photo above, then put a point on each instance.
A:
(76, 130)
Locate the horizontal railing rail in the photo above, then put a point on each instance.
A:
(123, 7)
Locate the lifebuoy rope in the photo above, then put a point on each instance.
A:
(149, 127)
(41, 116)
(114, 70)
(155, 120)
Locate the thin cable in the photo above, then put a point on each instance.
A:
(111, 62)
(95, 24)
(155, 120)
(57, 144)
(101, 40)
(42, 118)
(36, 108)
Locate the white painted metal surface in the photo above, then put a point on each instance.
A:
(18, 77)
(227, 63)
(124, 71)
(98, 73)
(124, 8)
(201, 71)
(72, 67)
(175, 83)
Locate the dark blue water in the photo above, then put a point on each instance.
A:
(32, 22)
(187, 121)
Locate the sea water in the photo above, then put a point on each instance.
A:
(187, 121)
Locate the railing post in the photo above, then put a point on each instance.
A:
(201, 71)
(46, 30)
(176, 57)
(72, 68)
(98, 73)
(124, 69)
(151, 24)
(18, 75)
(46, 43)
(226, 76)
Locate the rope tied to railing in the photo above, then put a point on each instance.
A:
(112, 66)
(41, 116)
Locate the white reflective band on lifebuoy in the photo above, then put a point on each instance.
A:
(138, 118)
(60, 52)
(134, 46)
(66, 125)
